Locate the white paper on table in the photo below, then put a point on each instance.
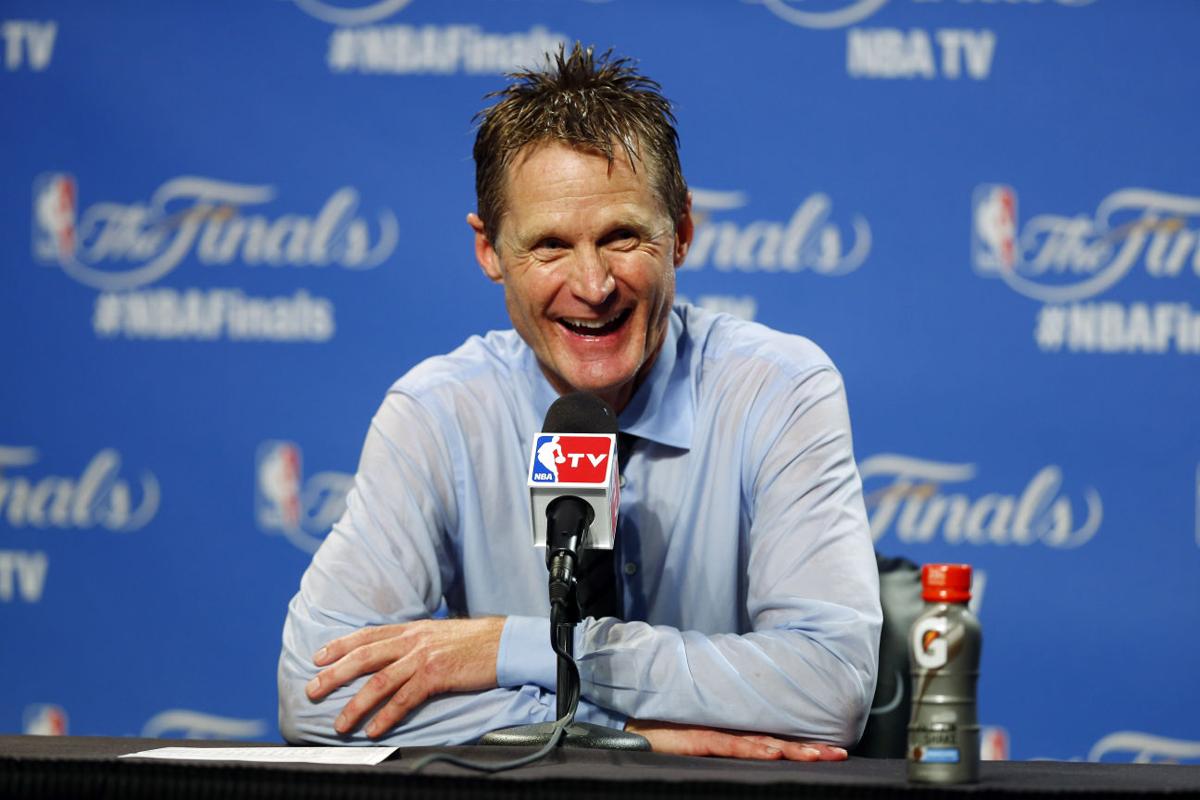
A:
(272, 755)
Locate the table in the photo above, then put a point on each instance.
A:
(87, 767)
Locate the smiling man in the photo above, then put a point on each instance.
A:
(747, 618)
(587, 256)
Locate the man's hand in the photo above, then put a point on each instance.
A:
(696, 740)
(411, 663)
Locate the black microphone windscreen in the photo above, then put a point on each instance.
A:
(580, 412)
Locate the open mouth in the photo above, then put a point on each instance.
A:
(596, 327)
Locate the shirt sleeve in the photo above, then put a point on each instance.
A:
(387, 561)
(808, 666)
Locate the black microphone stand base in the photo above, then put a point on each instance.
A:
(577, 734)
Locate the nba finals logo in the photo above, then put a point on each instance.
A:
(302, 508)
(1067, 257)
(116, 246)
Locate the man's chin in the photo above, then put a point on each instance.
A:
(602, 390)
(615, 391)
(565, 382)
(612, 379)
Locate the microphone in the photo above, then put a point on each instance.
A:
(573, 488)
(573, 504)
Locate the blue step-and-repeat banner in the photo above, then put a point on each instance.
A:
(227, 227)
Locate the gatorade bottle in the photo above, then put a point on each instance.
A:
(943, 734)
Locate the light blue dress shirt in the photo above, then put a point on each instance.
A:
(749, 580)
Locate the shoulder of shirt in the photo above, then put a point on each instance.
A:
(481, 363)
(731, 343)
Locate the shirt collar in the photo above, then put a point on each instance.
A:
(662, 409)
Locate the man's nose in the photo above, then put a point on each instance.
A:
(591, 280)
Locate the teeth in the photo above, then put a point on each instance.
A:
(590, 323)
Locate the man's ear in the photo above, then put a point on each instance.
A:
(485, 252)
(685, 228)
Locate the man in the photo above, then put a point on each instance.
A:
(750, 594)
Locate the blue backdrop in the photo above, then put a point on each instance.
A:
(229, 226)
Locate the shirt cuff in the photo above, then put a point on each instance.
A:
(525, 655)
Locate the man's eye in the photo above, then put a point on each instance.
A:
(621, 236)
(550, 243)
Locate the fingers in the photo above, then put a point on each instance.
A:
(395, 682)
(730, 745)
(345, 644)
(685, 740)
(768, 748)
(363, 659)
(666, 737)
(411, 662)
(829, 752)
(804, 751)
(407, 697)
(383, 650)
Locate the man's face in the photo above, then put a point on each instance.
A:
(587, 256)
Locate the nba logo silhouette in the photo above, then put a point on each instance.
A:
(993, 743)
(994, 229)
(54, 214)
(278, 496)
(547, 455)
(44, 719)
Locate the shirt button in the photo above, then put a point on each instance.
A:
(630, 568)
(621, 481)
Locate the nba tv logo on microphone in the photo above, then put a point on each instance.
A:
(582, 465)
(571, 459)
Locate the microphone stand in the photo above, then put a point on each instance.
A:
(564, 534)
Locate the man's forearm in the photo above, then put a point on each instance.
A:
(406, 664)
(444, 719)
(776, 681)
(784, 682)
(447, 719)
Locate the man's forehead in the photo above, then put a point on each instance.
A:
(526, 173)
(620, 159)
(628, 149)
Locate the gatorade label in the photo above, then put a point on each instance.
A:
(936, 755)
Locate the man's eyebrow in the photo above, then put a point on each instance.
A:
(640, 223)
(551, 231)
(640, 229)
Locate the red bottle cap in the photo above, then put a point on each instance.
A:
(946, 583)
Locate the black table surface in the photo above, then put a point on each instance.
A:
(73, 766)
